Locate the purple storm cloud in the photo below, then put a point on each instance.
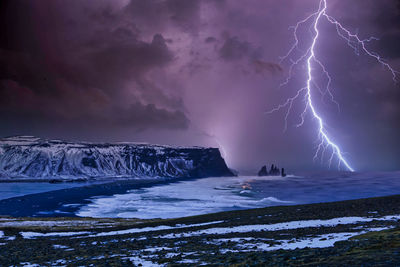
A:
(197, 72)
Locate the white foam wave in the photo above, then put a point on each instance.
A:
(274, 199)
(185, 198)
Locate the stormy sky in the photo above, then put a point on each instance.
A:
(198, 72)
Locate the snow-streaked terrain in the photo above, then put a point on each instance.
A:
(214, 194)
(321, 241)
(34, 158)
(30, 235)
(151, 229)
(51, 224)
(281, 226)
(272, 235)
(290, 225)
(210, 235)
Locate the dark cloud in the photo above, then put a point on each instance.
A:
(210, 39)
(386, 18)
(83, 81)
(262, 66)
(388, 23)
(198, 72)
(23, 109)
(388, 43)
(185, 13)
(120, 60)
(233, 49)
(149, 116)
(148, 15)
(154, 14)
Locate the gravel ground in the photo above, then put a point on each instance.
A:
(363, 232)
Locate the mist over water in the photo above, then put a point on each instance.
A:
(216, 194)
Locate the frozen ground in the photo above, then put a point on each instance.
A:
(225, 230)
(279, 236)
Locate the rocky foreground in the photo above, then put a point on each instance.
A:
(350, 233)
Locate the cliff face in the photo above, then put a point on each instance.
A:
(30, 157)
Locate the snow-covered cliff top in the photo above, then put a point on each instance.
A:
(35, 158)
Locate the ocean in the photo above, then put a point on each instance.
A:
(215, 194)
(16, 189)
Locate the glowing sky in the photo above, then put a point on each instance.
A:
(197, 72)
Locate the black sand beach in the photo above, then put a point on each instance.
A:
(51, 204)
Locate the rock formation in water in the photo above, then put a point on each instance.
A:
(274, 171)
(263, 171)
(30, 157)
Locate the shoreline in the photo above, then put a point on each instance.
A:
(52, 201)
(65, 202)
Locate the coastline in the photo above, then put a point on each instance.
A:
(113, 197)
(51, 203)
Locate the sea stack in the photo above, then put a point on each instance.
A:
(283, 174)
(263, 171)
(274, 171)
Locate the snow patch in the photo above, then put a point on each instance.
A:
(63, 223)
(321, 241)
(60, 247)
(32, 235)
(282, 226)
(151, 229)
(28, 264)
(137, 261)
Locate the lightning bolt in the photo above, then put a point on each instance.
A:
(312, 63)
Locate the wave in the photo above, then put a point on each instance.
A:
(274, 199)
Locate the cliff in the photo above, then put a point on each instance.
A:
(30, 157)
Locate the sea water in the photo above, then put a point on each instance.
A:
(9, 190)
(214, 194)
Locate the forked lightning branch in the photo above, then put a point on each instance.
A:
(309, 58)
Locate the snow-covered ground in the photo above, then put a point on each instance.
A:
(321, 241)
(281, 226)
(56, 223)
(192, 243)
(151, 229)
(30, 235)
(219, 230)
